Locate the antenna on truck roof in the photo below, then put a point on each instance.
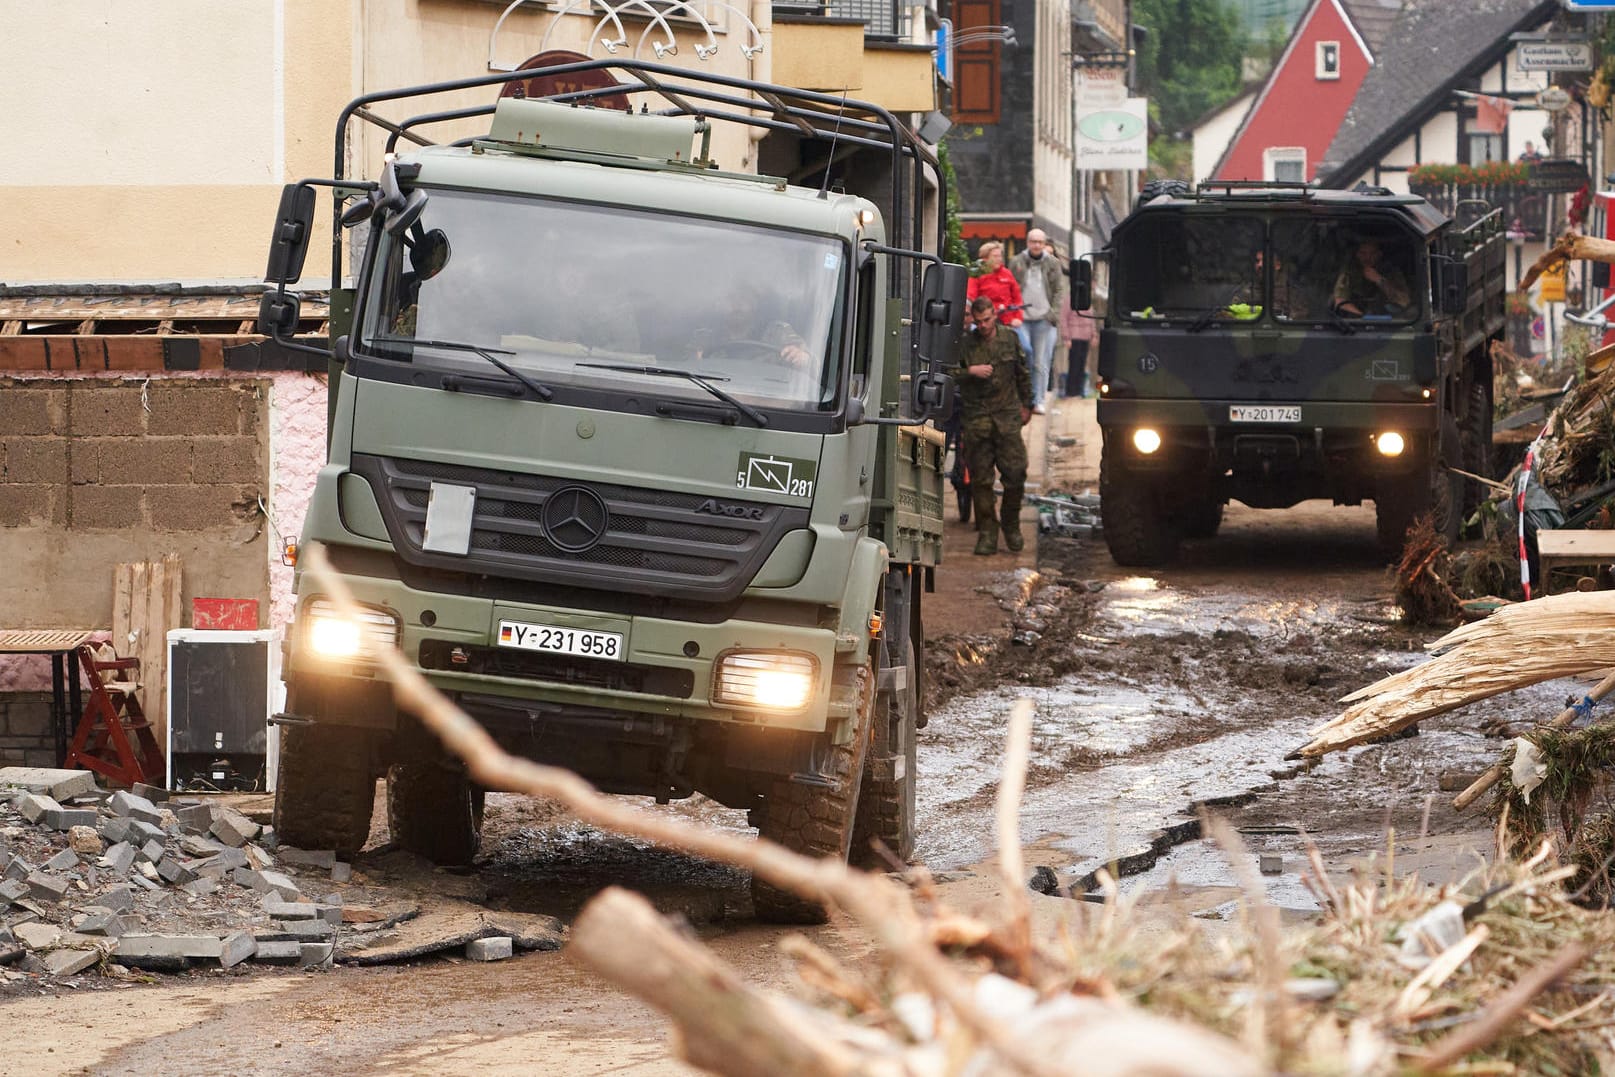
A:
(830, 158)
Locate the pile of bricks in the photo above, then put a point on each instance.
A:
(136, 879)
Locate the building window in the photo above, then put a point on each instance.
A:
(976, 86)
(1484, 147)
(1328, 60)
(1285, 164)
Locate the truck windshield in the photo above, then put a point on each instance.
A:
(586, 297)
(1179, 265)
(1364, 270)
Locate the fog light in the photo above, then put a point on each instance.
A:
(1425, 393)
(1146, 440)
(1390, 443)
(765, 680)
(330, 634)
(1104, 388)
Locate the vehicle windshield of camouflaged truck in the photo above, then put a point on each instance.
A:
(1270, 344)
(759, 324)
(631, 457)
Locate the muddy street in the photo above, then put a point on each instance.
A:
(1154, 694)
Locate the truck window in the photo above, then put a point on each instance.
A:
(1364, 269)
(1175, 265)
(562, 285)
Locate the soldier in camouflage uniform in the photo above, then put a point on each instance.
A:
(995, 392)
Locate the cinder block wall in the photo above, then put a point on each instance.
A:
(26, 739)
(97, 471)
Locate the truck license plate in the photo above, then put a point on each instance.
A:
(1264, 413)
(556, 640)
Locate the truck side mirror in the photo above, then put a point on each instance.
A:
(942, 316)
(1081, 283)
(278, 314)
(1454, 280)
(402, 209)
(294, 225)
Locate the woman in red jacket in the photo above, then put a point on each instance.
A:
(998, 284)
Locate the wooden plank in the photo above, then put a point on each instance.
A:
(1593, 546)
(146, 604)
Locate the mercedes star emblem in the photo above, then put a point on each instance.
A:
(575, 519)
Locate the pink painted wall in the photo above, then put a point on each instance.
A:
(1296, 107)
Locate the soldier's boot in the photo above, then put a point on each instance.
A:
(1011, 516)
(987, 539)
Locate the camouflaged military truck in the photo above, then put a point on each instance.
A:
(1272, 343)
(629, 456)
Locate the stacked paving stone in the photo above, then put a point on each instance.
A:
(142, 881)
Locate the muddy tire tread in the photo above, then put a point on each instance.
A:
(1137, 531)
(434, 811)
(886, 806)
(814, 820)
(325, 788)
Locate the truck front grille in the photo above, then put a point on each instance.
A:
(655, 542)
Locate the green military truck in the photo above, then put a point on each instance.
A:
(629, 456)
(1272, 343)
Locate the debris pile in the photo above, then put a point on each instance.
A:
(139, 881)
(1072, 516)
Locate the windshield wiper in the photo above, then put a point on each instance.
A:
(1203, 322)
(703, 380)
(543, 392)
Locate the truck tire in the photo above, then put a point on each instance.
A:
(886, 803)
(815, 820)
(435, 810)
(1201, 519)
(1138, 529)
(1156, 188)
(325, 788)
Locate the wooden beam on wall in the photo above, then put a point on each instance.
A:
(146, 603)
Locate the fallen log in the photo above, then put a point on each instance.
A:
(1519, 645)
(1571, 247)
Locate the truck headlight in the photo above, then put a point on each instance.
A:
(765, 680)
(1146, 440)
(330, 634)
(1390, 443)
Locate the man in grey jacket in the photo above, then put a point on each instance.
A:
(1042, 279)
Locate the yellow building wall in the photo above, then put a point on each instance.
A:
(166, 163)
(820, 56)
(900, 80)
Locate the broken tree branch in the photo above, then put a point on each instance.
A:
(1560, 721)
(1570, 247)
(1496, 1017)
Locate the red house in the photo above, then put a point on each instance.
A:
(1298, 110)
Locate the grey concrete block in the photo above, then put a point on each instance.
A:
(270, 952)
(144, 883)
(66, 860)
(315, 955)
(153, 793)
(58, 784)
(101, 922)
(281, 884)
(252, 880)
(195, 845)
(6, 857)
(68, 818)
(236, 948)
(37, 936)
(233, 828)
(1271, 864)
(12, 891)
(298, 931)
(227, 859)
(17, 869)
(341, 872)
(113, 830)
(130, 806)
(201, 887)
(118, 899)
(190, 947)
(323, 859)
(33, 806)
(277, 908)
(151, 852)
(47, 887)
(119, 858)
(174, 872)
(66, 962)
(144, 832)
(495, 949)
(195, 819)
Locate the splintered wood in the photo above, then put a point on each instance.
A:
(1519, 645)
(145, 605)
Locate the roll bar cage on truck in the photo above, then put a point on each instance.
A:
(630, 456)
